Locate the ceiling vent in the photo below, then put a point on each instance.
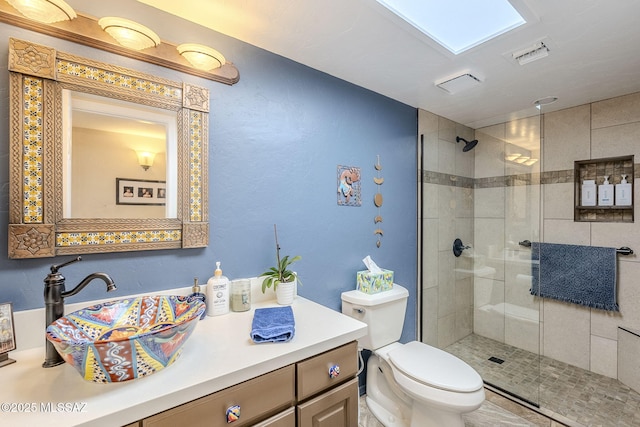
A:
(459, 83)
(538, 51)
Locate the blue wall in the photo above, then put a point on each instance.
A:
(276, 138)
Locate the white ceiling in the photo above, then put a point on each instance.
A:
(594, 51)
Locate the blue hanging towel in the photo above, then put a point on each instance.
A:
(273, 324)
(584, 275)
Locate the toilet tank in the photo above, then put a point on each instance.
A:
(382, 312)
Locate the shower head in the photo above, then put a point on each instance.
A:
(468, 144)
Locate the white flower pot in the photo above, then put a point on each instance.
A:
(285, 292)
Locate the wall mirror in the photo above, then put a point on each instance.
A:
(136, 145)
(74, 120)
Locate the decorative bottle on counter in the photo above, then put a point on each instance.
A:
(623, 192)
(605, 193)
(588, 192)
(196, 294)
(240, 294)
(218, 293)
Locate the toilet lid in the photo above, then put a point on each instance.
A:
(435, 367)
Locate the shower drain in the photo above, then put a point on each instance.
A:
(496, 360)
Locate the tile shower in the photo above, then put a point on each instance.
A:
(492, 203)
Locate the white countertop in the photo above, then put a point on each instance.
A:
(218, 354)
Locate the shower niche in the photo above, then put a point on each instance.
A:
(598, 170)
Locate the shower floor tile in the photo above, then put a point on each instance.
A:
(569, 394)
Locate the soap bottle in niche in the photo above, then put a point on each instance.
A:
(623, 192)
(605, 193)
(196, 294)
(218, 293)
(588, 193)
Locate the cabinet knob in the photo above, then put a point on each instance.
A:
(334, 371)
(233, 413)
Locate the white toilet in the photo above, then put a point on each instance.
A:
(410, 384)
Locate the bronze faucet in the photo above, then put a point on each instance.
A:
(54, 295)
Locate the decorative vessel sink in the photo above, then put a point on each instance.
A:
(125, 339)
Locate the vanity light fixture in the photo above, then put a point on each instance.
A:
(47, 11)
(201, 57)
(145, 158)
(129, 34)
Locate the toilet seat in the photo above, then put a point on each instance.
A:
(433, 367)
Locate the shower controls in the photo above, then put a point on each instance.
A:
(458, 247)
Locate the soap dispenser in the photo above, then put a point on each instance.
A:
(196, 294)
(605, 193)
(588, 193)
(218, 291)
(623, 192)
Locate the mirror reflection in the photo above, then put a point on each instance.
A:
(120, 158)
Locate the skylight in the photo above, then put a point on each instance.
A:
(458, 25)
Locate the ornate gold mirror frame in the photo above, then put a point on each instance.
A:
(37, 229)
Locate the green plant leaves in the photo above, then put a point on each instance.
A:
(280, 273)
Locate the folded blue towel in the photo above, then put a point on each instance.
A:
(584, 275)
(274, 324)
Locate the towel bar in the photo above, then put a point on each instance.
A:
(622, 251)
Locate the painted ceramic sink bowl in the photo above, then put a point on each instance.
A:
(125, 339)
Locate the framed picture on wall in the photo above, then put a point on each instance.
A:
(140, 192)
(7, 333)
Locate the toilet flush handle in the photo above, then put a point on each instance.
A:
(359, 310)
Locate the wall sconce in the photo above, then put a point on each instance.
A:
(201, 57)
(145, 158)
(129, 34)
(47, 11)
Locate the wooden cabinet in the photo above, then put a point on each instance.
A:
(284, 419)
(318, 373)
(327, 388)
(257, 399)
(324, 388)
(337, 407)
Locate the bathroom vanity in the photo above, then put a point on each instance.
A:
(274, 383)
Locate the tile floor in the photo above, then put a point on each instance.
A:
(574, 396)
(496, 411)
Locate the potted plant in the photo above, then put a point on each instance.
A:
(282, 279)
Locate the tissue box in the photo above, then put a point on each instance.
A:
(372, 283)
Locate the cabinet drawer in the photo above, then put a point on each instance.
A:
(258, 399)
(313, 373)
(283, 419)
(335, 408)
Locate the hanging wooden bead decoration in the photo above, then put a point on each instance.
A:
(377, 200)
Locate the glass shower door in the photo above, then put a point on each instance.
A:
(478, 305)
(507, 218)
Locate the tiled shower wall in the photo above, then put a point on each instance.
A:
(447, 214)
(492, 205)
(585, 337)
